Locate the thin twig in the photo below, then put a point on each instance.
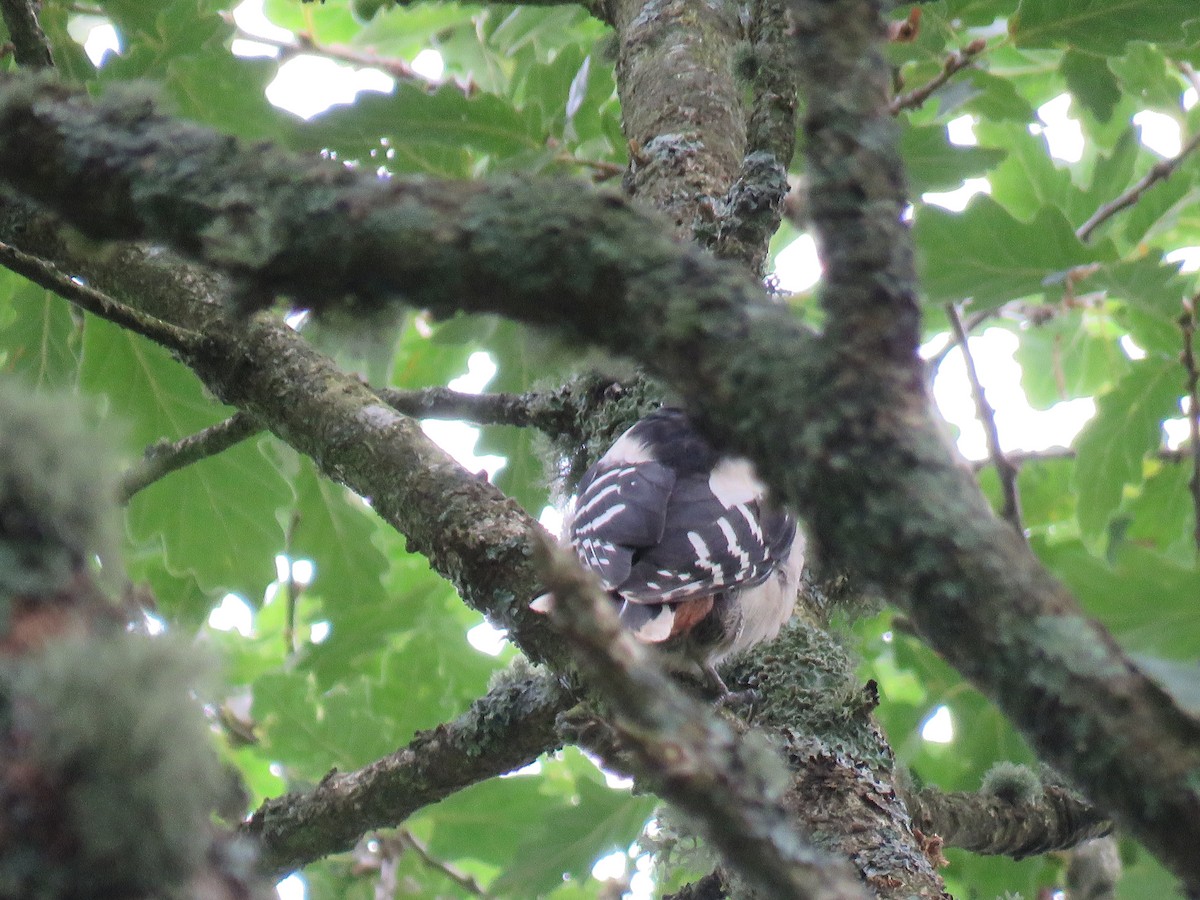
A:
(91, 300)
(164, 457)
(397, 68)
(1187, 324)
(1020, 458)
(954, 64)
(290, 588)
(973, 321)
(1189, 72)
(1011, 509)
(602, 170)
(409, 840)
(1160, 171)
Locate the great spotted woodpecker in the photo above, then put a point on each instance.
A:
(685, 542)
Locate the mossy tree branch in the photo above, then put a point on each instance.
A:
(508, 728)
(984, 823)
(734, 788)
(30, 47)
(841, 426)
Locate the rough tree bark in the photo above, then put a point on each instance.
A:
(839, 423)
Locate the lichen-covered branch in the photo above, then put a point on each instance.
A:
(165, 457)
(974, 592)
(681, 110)
(30, 46)
(96, 302)
(811, 704)
(508, 728)
(840, 426)
(556, 412)
(750, 212)
(983, 823)
(733, 786)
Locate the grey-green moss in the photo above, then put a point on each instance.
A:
(111, 776)
(57, 491)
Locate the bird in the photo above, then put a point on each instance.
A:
(687, 544)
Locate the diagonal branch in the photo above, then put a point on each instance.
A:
(30, 47)
(166, 457)
(1160, 171)
(840, 426)
(732, 787)
(98, 303)
(508, 728)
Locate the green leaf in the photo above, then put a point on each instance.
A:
(414, 129)
(1114, 444)
(934, 164)
(568, 840)
(216, 518)
(1046, 498)
(1146, 600)
(1099, 26)
(1092, 82)
(1069, 356)
(1162, 514)
(40, 338)
(1152, 295)
(995, 257)
(1147, 76)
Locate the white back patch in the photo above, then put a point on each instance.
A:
(733, 481)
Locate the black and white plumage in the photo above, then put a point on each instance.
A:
(684, 540)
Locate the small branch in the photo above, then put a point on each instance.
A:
(987, 824)
(29, 43)
(1189, 72)
(557, 413)
(409, 840)
(165, 457)
(45, 275)
(1160, 171)
(732, 787)
(1011, 510)
(304, 43)
(954, 64)
(973, 321)
(601, 170)
(1187, 324)
(1021, 458)
(508, 728)
(291, 588)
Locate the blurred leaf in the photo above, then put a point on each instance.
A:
(216, 518)
(934, 164)
(1068, 357)
(1127, 427)
(40, 336)
(1145, 73)
(1099, 26)
(416, 129)
(996, 258)
(1092, 82)
(1147, 601)
(570, 839)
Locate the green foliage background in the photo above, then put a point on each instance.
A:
(1115, 521)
